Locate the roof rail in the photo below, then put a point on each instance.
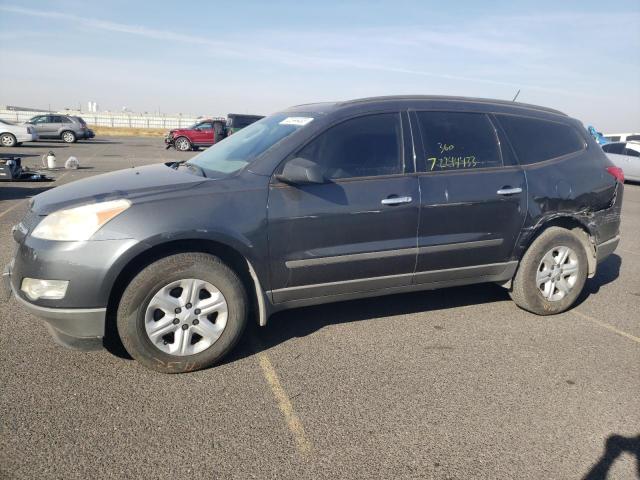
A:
(487, 101)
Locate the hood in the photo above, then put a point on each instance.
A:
(132, 183)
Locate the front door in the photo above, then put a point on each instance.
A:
(202, 134)
(39, 123)
(473, 198)
(50, 126)
(355, 232)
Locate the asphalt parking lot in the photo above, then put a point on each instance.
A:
(449, 384)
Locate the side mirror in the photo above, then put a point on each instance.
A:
(300, 171)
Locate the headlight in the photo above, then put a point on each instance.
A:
(35, 288)
(80, 223)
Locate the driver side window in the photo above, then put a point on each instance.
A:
(366, 146)
(205, 126)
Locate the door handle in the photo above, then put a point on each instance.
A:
(396, 200)
(509, 191)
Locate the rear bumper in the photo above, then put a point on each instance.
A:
(604, 249)
(77, 328)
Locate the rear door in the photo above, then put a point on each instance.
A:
(473, 197)
(357, 231)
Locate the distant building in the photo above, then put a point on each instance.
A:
(24, 109)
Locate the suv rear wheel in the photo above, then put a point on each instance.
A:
(182, 313)
(183, 144)
(552, 273)
(68, 136)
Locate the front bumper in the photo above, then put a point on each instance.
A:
(77, 328)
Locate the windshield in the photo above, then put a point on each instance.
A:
(6, 122)
(240, 149)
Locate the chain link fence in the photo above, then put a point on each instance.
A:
(119, 120)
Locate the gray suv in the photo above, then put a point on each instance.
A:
(320, 203)
(65, 127)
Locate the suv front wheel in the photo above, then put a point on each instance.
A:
(182, 143)
(182, 313)
(552, 273)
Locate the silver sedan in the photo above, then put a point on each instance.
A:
(625, 155)
(12, 134)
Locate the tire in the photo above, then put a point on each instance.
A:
(540, 286)
(144, 306)
(182, 144)
(8, 140)
(68, 136)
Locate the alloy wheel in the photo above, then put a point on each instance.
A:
(182, 144)
(7, 140)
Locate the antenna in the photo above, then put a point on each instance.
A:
(517, 93)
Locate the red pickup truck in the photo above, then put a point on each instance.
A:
(202, 134)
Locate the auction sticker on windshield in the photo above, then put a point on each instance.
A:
(298, 121)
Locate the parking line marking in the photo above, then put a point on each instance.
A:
(608, 326)
(2, 214)
(293, 421)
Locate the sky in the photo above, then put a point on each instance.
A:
(213, 58)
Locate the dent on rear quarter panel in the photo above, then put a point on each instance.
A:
(577, 188)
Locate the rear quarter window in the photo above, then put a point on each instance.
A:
(631, 153)
(536, 140)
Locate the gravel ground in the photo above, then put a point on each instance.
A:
(450, 384)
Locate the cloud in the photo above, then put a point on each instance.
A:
(318, 50)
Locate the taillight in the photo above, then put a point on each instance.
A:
(617, 173)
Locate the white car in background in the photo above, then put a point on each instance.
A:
(12, 134)
(625, 155)
(622, 137)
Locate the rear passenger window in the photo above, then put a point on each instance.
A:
(613, 148)
(537, 140)
(457, 141)
(632, 137)
(361, 147)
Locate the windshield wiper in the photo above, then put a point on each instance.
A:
(195, 168)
